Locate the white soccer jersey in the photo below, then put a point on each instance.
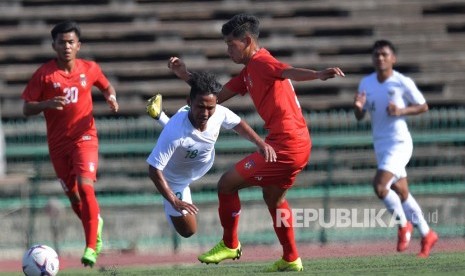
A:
(185, 154)
(400, 90)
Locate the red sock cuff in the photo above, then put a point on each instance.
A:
(229, 210)
(89, 214)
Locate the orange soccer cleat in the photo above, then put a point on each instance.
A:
(427, 242)
(404, 235)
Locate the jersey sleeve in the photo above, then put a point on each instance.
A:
(230, 118)
(237, 84)
(34, 87)
(269, 69)
(272, 68)
(412, 93)
(101, 81)
(163, 150)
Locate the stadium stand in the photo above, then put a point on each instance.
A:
(126, 142)
(133, 39)
(314, 34)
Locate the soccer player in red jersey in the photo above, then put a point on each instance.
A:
(61, 89)
(267, 81)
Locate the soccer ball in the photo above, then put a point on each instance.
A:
(40, 260)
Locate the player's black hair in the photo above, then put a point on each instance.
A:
(383, 43)
(241, 24)
(203, 83)
(66, 27)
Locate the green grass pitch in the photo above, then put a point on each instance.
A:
(437, 264)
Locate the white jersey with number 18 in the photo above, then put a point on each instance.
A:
(185, 154)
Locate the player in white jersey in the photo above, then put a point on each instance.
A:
(185, 149)
(389, 97)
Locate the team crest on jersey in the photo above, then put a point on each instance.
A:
(391, 93)
(56, 85)
(83, 80)
(91, 166)
(248, 80)
(249, 164)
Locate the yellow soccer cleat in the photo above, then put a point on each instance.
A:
(99, 245)
(154, 106)
(282, 265)
(219, 253)
(89, 258)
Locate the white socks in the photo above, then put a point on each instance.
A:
(415, 215)
(393, 204)
(408, 210)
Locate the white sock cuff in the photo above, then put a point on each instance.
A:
(394, 206)
(164, 119)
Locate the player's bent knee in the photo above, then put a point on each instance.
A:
(226, 184)
(186, 226)
(380, 191)
(74, 198)
(231, 181)
(186, 234)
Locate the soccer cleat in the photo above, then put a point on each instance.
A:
(219, 253)
(404, 234)
(89, 258)
(283, 265)
(153, 107)
(427, 242)
(99, 244)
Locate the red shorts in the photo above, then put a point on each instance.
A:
(76, 159)
(283, 172)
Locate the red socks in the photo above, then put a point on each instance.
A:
(285, 231)
(89, 213)
(77, 207)
(76, 204)
(229, 210)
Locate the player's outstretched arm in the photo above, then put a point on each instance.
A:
(303, 74)
(225, 95)
(179, 68)
(244, 130)
(162, 186)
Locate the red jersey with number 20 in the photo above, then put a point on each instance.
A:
(274, 99)
(76, 118)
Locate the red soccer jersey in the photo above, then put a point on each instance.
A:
(273, 97)
(76, 118)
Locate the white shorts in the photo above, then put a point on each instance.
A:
(184, 195)
(393, 156)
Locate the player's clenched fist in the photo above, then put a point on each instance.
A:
(179, 68)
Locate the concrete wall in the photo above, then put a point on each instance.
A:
(145, 229)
